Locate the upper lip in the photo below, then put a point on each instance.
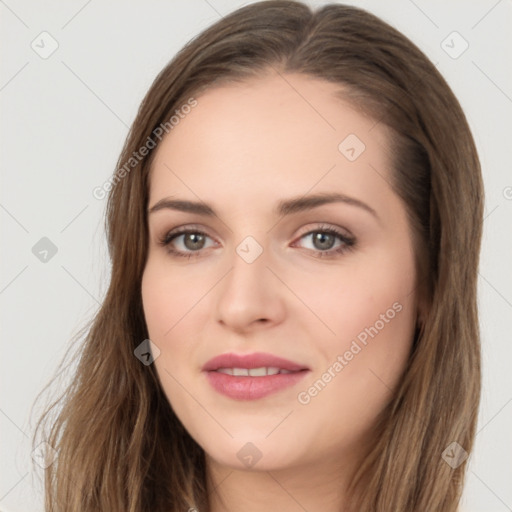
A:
(255, 360)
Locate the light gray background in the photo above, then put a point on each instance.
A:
(64, 120)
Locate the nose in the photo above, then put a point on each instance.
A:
(250, 296)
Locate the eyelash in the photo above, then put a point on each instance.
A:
(348, 242)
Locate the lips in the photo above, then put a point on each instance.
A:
(252, 376)
(249, 361)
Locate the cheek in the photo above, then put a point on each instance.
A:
(350, 297)
(169, 296)
(177, 306)
(348, 394)
(169, 300)
(372, 311)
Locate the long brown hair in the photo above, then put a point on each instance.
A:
(120, 446)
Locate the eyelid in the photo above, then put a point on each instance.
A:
(348, 240)
(173, 233)
(321, 226)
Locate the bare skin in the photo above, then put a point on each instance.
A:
(241, 150)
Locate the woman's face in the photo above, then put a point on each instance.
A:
(328, 284)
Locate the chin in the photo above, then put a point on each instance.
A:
(249, 458)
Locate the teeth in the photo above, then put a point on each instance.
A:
(258, 372)
(228, 371)
(252, 372)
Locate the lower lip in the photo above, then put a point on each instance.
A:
(252, 388)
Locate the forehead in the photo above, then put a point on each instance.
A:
(274, 136)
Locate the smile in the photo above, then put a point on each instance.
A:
(253, 372)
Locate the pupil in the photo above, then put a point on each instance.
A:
(196, 240)
(321, 239)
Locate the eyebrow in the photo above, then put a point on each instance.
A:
(284, 207)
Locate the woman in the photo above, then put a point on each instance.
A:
(294, 228)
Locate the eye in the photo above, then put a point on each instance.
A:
(323, 240)
(189, 242)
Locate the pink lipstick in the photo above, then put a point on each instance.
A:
(252, 376)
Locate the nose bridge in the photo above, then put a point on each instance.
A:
(250, 250)
(247, 295)
(248, 267)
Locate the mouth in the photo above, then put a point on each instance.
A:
(250, 387)
(254, 372)
(254, 376)
(244, 364)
